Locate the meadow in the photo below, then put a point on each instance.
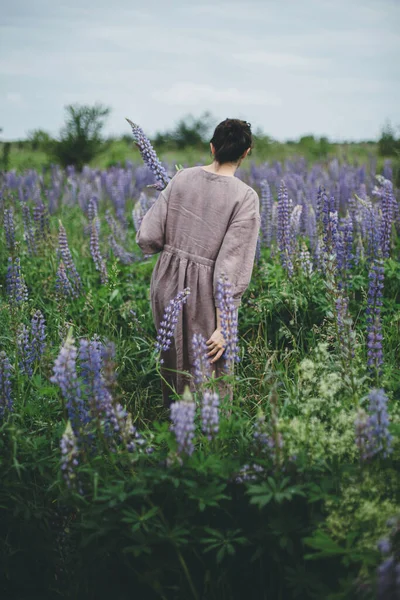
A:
(291, 492)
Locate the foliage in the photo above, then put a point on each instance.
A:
(279, 502)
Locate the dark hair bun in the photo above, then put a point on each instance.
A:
(231, 139)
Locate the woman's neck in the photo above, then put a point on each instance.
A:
(227, 169)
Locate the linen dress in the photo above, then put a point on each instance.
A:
(205, 225)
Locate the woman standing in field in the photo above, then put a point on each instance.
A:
(205, 223)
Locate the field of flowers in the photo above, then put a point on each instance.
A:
(291, 492)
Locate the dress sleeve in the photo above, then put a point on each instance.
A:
(150, 236)
(236, 256)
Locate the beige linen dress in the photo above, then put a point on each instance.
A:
(204, 225)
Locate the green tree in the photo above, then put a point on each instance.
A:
(388, 145)
(80, 139)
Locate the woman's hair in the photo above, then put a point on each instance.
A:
(231, 139)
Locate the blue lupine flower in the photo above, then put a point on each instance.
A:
(69, 456)
(379, 438)
(64, 288)
(210, 414)
(201, 363)
(387, 206)
(229, 319)
(266, 202)
(284, 230)
(374, 325)
(17, 291)
(149, 156)
(9, 228)
(182, 416)
(66, 257)
(95, 251)
(6, 401)
(170, 320)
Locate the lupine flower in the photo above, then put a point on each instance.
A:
(201, 363)
(182, 416)
(69, 456)
(346, 333)
(64, 288)
(379, 438)
(31, 343)
(92, 209)
(374, 325)
(17, 291)
(6, 401)
(249, 473)
(98, 260)
(65, 376)
(29, 232)
(346, 234)
(229, 320)
(284, 229)
(372, 230)
(210, 414)
(149, 156)
(9, 228)
(116, 229)
(119, 252)
(305, 260)
(66, 257)
(266, 202)
(170, 320)
(387, 206)
(42, 224)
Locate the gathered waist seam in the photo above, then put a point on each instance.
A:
(189, 256)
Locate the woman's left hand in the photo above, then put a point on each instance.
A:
(216, 345)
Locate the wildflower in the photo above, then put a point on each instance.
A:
(170, 320)
(29, 233)
(379, 438)
(284, 229)
(66, 257)
(98, 260)
(42, 224)
(266, 202)
(123, 255)
(202, 370)
(149, 156)
(69, 456)
(182, 416)
(65, 376)
(31, 343)
(229, 320)
(305, 260)
(6, 401)
(210, 414)
(63, 285)
(15, 283)
(9, 228)
(387, 206)
(374, 324)
(249, 473)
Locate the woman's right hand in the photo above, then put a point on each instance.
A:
(216, 345)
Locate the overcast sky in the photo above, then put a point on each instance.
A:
(290, 67)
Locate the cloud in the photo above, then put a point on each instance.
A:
(14, 98)
(186, 93)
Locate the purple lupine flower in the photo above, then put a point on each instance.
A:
(64, 288)
(17, 291)
(379, 438)
(65, 376)
(69, 456)
(374, 324)
(305, 260)
(97, 394)
(266, 202)
(6, 401)
(346, 234)
(170, 320)
(387, 206)
(201, 362)
(361, 433)
(149, 156)
(284, 230)
(31, 343)
(95, 251)
(119, 252)
(210, 414)
(249, 473)
(92, 209)
(9, 228)
(229, 320)
(182, 416)
(116, 229)
(42, 223)
(29, 232)
(65, 255)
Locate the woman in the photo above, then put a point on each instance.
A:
(205, 223)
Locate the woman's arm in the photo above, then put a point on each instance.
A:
(150, 236)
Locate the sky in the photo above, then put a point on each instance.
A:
(290, 68)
